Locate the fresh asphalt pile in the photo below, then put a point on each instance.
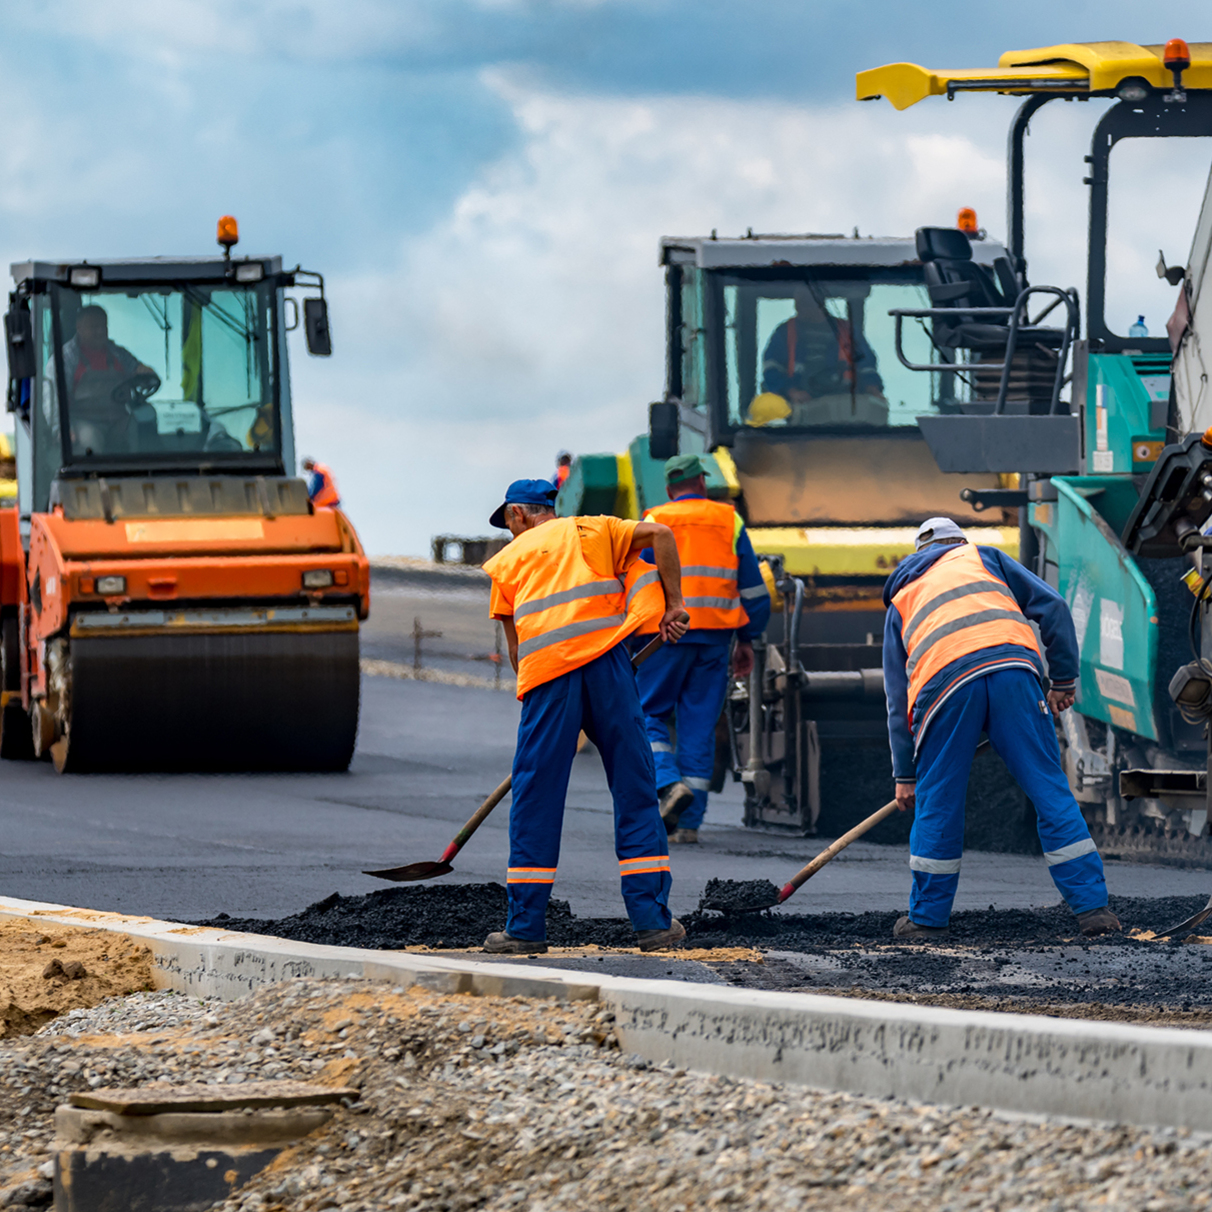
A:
(1014, 959)
(437, 915)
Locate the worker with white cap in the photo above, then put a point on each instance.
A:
(961, 657)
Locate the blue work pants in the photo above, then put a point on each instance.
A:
(686, 683)
(600, 698)
(1009, 705)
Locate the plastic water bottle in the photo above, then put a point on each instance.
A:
(1138, 329)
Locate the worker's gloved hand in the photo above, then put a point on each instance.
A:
(742, 659)
(673, 624)
(1060, 700)
(906, 796)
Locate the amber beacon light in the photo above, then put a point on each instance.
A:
(229, 231)
(1177, 58)
(965, 220)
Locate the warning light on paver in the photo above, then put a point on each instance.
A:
(229, 231)
(966, 221)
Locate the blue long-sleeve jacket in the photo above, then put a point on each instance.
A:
(755, 597)
(1041, 604)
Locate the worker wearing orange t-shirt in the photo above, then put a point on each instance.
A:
(568, 592)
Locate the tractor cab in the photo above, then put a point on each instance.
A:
(784, 365)
(1090, 421)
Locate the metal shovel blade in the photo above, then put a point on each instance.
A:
(414, 871)
(1191, 922)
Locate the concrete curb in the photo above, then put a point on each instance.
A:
(1027, 1063)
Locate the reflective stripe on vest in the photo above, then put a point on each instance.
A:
(564, 613)
(705, 532)
(956, 607)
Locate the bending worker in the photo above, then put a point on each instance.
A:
(725, 596)
(568, 592)
(961, 658)
(321, 487)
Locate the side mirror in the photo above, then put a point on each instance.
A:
(315, 322)
(19, 338)
(663, 430)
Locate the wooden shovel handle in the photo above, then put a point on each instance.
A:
(830, 852)
(478, 818)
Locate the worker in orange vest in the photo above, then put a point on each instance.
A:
(568, 592)
(726, 597)
(961, 658)
(321, 487)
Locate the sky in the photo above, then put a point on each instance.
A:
(484, 184)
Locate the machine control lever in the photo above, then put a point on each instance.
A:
(993, 498)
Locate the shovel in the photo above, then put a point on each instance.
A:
(1191, 922)
(805, 873)
(429, 871)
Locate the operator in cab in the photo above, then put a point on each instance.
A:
(961, 657)
(568, 592)
(822, 367)
(321, 485)
(97, 373)
(686, 686)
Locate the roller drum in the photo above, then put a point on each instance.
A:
(285, 700)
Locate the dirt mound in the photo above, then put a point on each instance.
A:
(48, 970)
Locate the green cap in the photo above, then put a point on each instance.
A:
(683, 467)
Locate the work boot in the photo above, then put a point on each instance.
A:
(658, 940)
(675, 799)
(500, 943)
(905, 928)
(681, 837)
(1098, 921)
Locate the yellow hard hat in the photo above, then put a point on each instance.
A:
(767, 407)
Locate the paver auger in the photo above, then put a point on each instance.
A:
(169, 598)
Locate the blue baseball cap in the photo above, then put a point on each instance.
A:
(524, 492)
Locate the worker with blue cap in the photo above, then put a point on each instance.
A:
(568, 592)
(962, 657)
(726, 597)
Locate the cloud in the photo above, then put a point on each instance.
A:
(531, 316)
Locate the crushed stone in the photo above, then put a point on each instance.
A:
(499, 1104)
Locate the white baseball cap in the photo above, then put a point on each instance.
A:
(937, 530)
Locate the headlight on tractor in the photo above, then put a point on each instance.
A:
(317, 578)
(108, 586)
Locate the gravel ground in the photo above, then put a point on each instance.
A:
(506, 1104)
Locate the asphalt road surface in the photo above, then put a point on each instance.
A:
(186, 847)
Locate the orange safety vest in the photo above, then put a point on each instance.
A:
(565, 614)
(326, 494)
(706, 533)
(956, 607)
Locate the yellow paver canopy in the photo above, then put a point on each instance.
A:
(1083, 69)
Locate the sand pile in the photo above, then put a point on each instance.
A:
(47, 970)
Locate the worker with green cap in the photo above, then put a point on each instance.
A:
(686, 684)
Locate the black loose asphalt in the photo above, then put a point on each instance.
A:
(1032, 956)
